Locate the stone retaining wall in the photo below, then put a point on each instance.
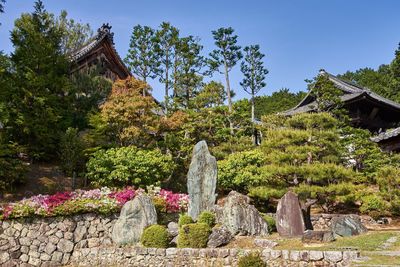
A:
(86, 240)
(174, 257)
(42, 241)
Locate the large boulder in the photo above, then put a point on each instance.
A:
(219, 236)
(289, 217)
(201, 180)
(135, 216)
(239, 217)
(347, 225)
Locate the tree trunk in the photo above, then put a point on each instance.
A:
(306, 210)
(166, 83)
(228, 94)
(253, 119)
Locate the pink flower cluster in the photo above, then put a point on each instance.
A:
(44, 205)
(175, 202)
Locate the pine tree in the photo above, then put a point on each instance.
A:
(187, 77)
(167, 38)
(143, 59)
(41, 78)
(254, 76)
(227, 55)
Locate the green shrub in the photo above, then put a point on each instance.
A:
(207, 217)
(251, 260)
(12, 169)
(194, 235)
(184, 219)
(373, 205)
(271, 223)
(155, 236)
(128, 166)
(71, 152)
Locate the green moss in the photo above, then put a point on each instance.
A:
(184, 219)
(194, 235)
(271, 223)
(251, 260)
(155, 236)
(207, 217)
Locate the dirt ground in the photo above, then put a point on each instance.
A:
(42, 178)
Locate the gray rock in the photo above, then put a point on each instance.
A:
(265, 243)
(289, 217)
(135, 215)
(311, 236)
(201, 180)
(333, 256)
(316, 255)
(4, 256)
(347, 225)
(239, 217)
(34, 261)
(50, 248)
(24, 258)
(219, 236)
(65, 245)
(57, 256)
(173, 229)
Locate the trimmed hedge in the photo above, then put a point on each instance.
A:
(207, 217)
(155, 236)
(184, 219)
(194, 235)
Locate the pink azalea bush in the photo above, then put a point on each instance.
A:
(102, 200)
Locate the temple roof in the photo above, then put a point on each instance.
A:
(386, 135)
(351, 92)
(104, 35)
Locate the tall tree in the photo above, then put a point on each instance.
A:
(227, 55)
(74, 34)
(254, 75)
(40, 93)
(167, 37)
(142, 58)
(188, 66)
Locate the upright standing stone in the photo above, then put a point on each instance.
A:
(136, 215)
(289, 217)
(201, 180)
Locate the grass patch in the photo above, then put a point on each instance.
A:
(377, 260)
(366, 242)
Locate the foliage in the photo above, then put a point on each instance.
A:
(12, 169)
(39, 99)
(253, 260)
(128, 166)
(373, 205)
(74, 34)
(155, 236)
(71, 151)
(142, 58)
(184, 219)
(193, 235)
(211, 95)
(271, 223)
(226, 55)
(103, 200)
(130, 118)
(207, 217)
(278, 101)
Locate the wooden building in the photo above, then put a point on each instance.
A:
(101, 54)
(366, 109)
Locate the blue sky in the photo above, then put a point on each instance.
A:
(298, 37)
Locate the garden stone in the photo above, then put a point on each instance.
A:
(333, 256)
(311, 236)
(4, 256)
(219, 236)
(265, 243)
(24, 258)
(316, 255)
(173, 229)
(65, 245)
(201, 180)
(289, 217)
(135, 215)
(57, 256)
(347, 225)
(239, 217)
(50, 248)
